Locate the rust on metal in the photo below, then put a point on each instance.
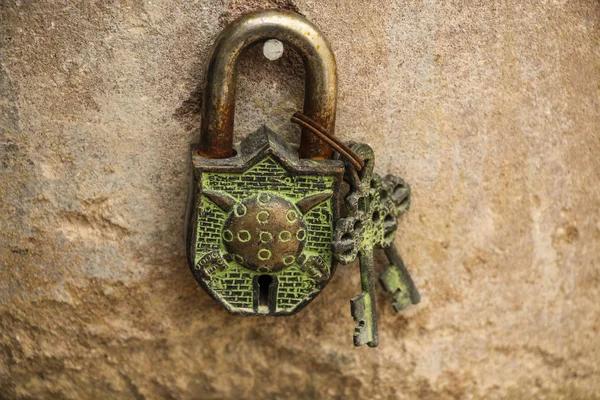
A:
(216, 132)
(266, 227)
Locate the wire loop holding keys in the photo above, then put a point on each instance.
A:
(335, 143)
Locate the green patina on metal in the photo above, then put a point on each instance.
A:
(264, 233)
(235, 283)
(264, 224)
(373, 206)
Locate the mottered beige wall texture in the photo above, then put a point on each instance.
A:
(489, 109)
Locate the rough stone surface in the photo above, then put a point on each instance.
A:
(490, 109)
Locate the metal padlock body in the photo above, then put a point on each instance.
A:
(262, 219)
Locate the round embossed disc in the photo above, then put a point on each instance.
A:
(265, 232)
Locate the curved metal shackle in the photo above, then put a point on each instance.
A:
(216, 132)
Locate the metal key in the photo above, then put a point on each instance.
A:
(373, 206)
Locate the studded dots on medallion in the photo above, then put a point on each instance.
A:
(267, 229)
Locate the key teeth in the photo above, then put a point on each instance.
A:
(392, 281)
(400, 300)
(363, 332)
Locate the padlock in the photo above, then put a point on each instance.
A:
(265, 231)
(263, 213)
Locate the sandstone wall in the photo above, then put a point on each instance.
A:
(489, 109)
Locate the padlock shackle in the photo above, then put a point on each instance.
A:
(216, 132)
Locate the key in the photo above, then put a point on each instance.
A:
(363, 307)
(397, 281)
(373, 205)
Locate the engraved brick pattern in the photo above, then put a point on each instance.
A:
(234, 285)
(293, 287)
(210, 223)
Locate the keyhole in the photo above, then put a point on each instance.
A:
(264, 284)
